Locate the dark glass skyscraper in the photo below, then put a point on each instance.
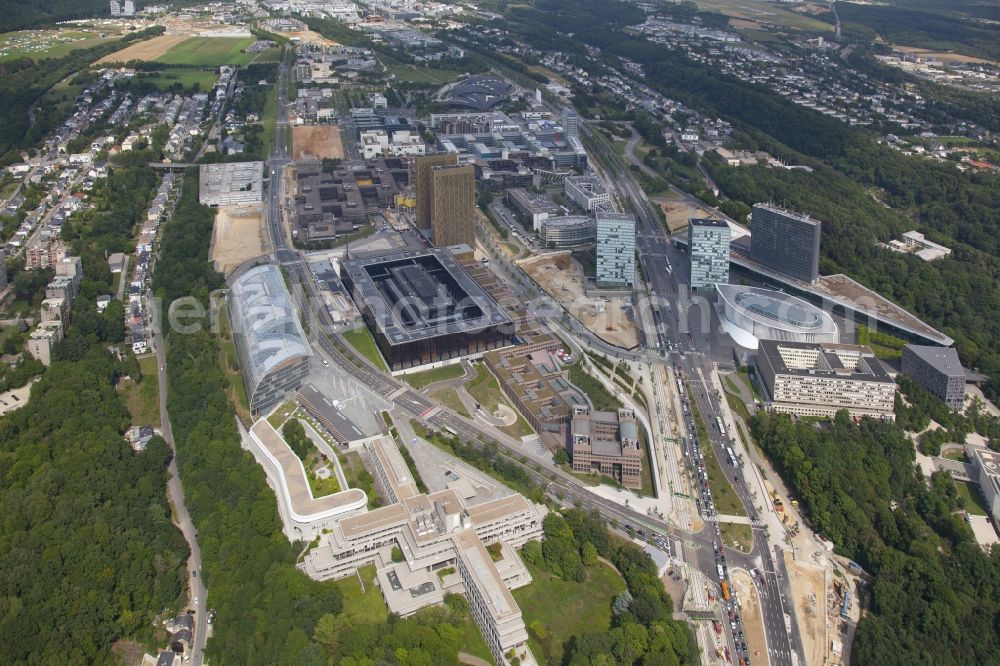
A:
(785, 241)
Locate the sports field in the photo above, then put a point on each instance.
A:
(209, 51)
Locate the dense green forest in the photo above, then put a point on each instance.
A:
(24, 81)
(87, 547)
(934, 596)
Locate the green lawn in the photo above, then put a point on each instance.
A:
(361, 339)
(554, 609)
(210, 51)
(190, 79)
(486, 390)
(143, 399)
(363, 606)
(449, 398)
(419, 380)
(740, 535)
(411, 74)
(603, 400)
(280, 415)
(974, 502)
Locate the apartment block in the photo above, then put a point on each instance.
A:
(43, 338)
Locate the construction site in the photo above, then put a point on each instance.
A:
(317, 142)
(238, 235)
(563, 278)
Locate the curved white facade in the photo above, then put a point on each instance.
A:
(751, 314)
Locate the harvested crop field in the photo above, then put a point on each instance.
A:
(317, 142)
(149, 49)
(237, 236)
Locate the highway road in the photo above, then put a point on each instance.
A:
(685, 335)
(198, 591)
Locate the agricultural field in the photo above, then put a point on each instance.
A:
(209, 51)
(193, 80)
(764, 12)
(149, 49)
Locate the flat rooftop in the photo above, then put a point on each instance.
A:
(330, 412)
(301, 498)
(219, 180)
(415, 295)
(943, 359)
(824, 359)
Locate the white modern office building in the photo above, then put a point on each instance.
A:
(820, 379)
(615, 251)
(588, 192)
(708, 252)
(751, 314)
(986, 464)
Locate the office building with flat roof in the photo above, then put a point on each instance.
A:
(607, 444)
(615, 251)
(820, 379)
(937, 369)
(568, 231)
(453, 205)
(422, 165)
(785, 241)
(231, 183)
(588, 192)
(708, 252)
(423, 307)
(536, 207)
(273, 350)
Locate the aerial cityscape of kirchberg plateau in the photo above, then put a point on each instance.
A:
(500, 332)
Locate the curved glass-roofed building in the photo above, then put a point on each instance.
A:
(751, 314)
(273, 349)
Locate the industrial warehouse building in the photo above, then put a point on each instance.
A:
(273, 351)
(422, 307)
(811, 379)
(751, 314)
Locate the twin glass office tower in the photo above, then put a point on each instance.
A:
(708, 252)
(615, 251)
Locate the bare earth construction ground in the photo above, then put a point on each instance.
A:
(809, 596)
(606, 320)
(317, 142)
(237, 236)
(149, 49)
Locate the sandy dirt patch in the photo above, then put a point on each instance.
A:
(753, 624)
(317, 142)
(604, 317)
(149, 49)
(678, 214)
(237, 236)
(809, 596)
(310, 37)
